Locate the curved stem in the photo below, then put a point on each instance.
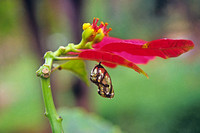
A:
(67, 58)
(50, 110)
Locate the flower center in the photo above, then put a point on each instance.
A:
(102, 28)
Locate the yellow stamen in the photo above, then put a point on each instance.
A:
(102, 23)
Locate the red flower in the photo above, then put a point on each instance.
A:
(113, 51)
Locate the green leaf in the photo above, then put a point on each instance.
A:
(77, 120)
(78, 67)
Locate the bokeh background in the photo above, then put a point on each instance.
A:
(167, 102)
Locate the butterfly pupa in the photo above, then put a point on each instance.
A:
(102, 79)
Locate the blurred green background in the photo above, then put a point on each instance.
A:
(167, 102)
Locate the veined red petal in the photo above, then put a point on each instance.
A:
(108, 57)
(164, 48)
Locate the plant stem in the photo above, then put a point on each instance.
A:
(44, 72)
(67, 58)
(50, 110)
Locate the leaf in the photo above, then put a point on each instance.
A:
(78, 67)
(164, 48)
(102, 56)
(78, 120)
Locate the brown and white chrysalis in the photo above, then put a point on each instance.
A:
(102, 79)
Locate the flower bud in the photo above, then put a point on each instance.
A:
(88, 34)
(99, 37)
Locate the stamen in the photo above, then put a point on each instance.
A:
(97, 20)
(101, 25)
(108, 30)
(106, 25)
(94, 19)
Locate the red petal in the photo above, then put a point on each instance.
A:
(133, 58)
(136, 58)
(164, 48)
(167, 48)
(111, 65)
(107, 40)
(112, 58)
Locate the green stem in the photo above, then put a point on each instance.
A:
(50, 110)
(44, 72)
(67, 58)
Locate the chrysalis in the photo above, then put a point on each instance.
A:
(102, 79)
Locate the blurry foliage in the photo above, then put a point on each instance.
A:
(153, 104)
(167, 102)
(78, 121)
(128, 19)
(20, 98)
(8, 15)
